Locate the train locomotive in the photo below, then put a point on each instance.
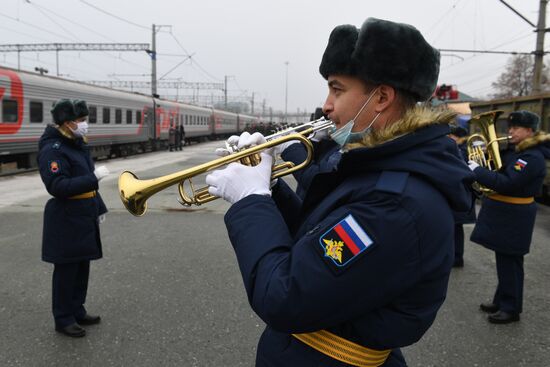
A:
(121, 123)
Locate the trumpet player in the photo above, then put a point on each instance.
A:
(359, 268)
(506, 220)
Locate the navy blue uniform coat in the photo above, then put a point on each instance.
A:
(505, 227)
(326, 155)
(402, 193)
(71, 229)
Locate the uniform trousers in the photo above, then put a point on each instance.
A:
(69, 288)
(509, 294)
(459, 244)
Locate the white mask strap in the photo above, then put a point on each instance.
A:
(365, 104)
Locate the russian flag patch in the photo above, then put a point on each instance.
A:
(343, 242)
(520, 165)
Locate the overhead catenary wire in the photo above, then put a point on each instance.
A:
(42, 9)
(53, 21)
(114, 15)
(35, 26)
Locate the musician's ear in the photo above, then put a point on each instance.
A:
(384, 98)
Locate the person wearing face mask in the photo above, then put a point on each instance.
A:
(507, 217)
(70, 237)
(359, 268)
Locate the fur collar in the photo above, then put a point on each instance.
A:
(538, 138)
(414, 119)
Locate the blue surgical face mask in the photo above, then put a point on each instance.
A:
(344, 135)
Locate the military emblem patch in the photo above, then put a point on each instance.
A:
(520, 165)
(343, 242)
(54, 166)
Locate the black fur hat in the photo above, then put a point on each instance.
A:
(80, 108)
(525, 119)
(458, 131)
(63, 111)
(383, 52)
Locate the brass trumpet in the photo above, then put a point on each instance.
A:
(134, 192)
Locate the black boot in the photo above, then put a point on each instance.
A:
(73, 330)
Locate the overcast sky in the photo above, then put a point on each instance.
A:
(250, 40)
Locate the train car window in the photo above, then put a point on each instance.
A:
(106, 115)
(138, 117)
(9, 110)
(92, 117)
(128, 116)
(118, 116)
(37, 111)
(186, 119)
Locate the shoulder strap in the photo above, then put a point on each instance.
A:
(392, 181)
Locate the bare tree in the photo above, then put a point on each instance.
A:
(517, 78)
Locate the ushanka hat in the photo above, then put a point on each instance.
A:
(383, 52)
(63, 111)
(525, 119)
(80, 108)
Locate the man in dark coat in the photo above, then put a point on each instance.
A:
(506, 220)
(71, 217)
(182, 136)
(360, 267)
(172, 138)
(459, 135)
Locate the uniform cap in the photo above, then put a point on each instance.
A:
(63, 111)
(80, 108)
(383, 52)
(525, 119)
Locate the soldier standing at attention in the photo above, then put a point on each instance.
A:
(71, 218)
(360, 267)
(506, 220)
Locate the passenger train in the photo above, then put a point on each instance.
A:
(121, 123)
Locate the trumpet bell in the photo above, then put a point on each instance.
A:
(133, 199)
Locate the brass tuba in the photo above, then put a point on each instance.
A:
(483, 148)
(135, 192)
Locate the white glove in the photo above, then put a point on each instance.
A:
(246, 140)
(257, 139)
(237, 181)
(101, 172)
(320, 135)
(101, 218)
(230, 146)
(472, 165)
